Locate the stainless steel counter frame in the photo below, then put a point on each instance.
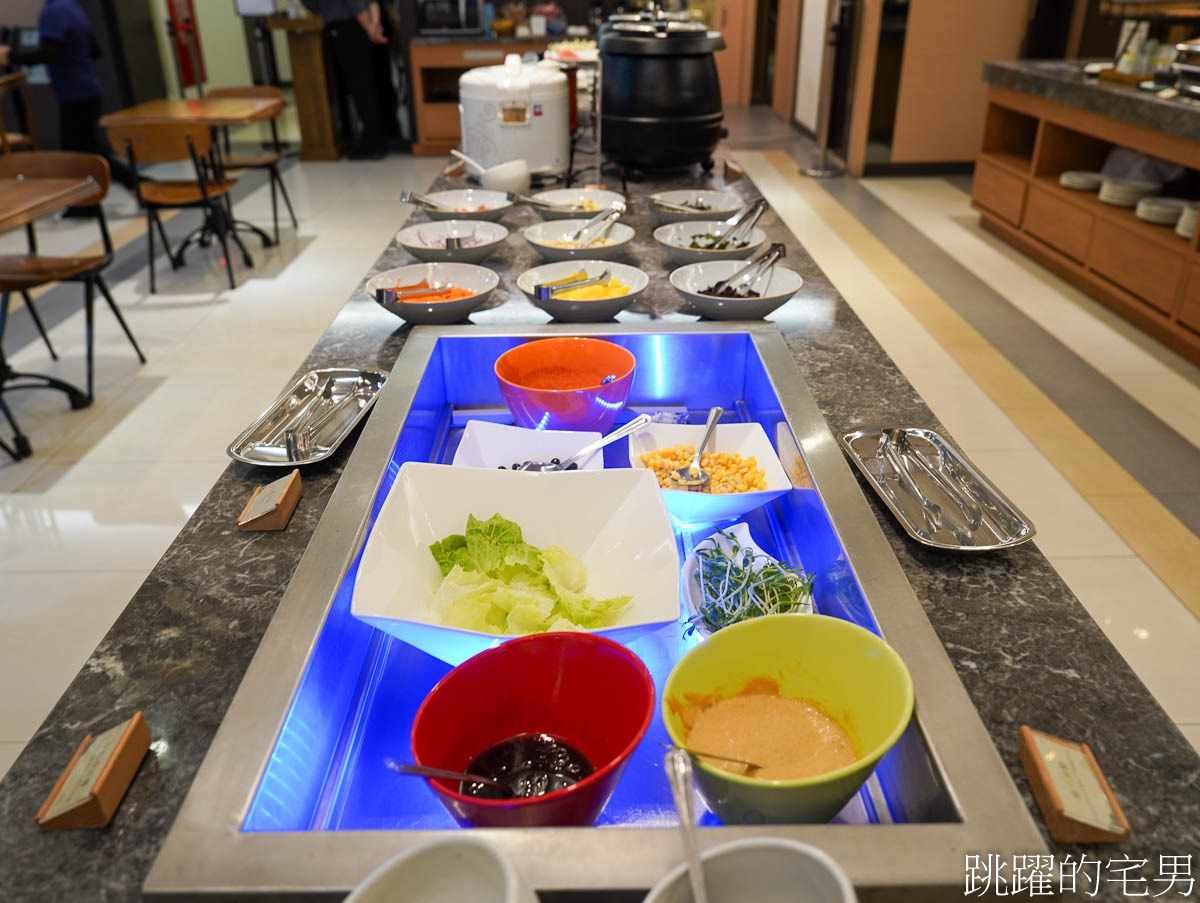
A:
(206, 856)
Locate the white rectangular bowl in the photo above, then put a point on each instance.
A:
(745, 439)
(496, 445)
(614, 520)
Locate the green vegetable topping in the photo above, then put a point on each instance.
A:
(496, 582)
(741, 584)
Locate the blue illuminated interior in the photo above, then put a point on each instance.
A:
(360, 688)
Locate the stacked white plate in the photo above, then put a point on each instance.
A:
(1187, 221)
(1126, 192)
(1080, 180)
(1163, 211)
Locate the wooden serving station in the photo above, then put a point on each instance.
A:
(1144, 272)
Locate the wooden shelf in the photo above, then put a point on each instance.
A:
(1018, 164)
(1145, 272)
(1124, 217)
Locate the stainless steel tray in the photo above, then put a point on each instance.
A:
(308, 422)
(935, 491)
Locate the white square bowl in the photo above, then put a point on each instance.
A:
(614, 520)
(745, 439)
(496, 445)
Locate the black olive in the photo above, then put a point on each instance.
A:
(572, 466)
(555, 461)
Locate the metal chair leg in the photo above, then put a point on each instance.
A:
(175, 264)
(283, 190)
(20, 447)
(150, 246)
(89, 308)
(37, 321)
(222, 226)
(103, 286)
(274, 205)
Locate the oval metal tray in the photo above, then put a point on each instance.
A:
(935, 492)
(319, 410)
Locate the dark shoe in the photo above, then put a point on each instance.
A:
(367, 153)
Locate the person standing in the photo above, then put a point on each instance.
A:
(352, 27)
(67, 45)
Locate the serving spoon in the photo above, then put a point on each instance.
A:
(427, 771)
(693, 477)
(587, 451)
(679, 772)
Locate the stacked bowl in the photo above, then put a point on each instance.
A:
(1127, 192)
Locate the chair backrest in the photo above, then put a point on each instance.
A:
(60, 165)
(268, 91)
(164, 143)
(10, 84)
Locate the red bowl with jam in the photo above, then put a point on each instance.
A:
(590, 694)
(567, 383)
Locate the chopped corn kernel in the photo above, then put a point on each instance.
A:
(727, 471)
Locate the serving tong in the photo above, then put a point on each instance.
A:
(415, 197)
(593, 228)
(546, 292)
(299, 433)
(562, 208)
(760, 265)
(390, 295)
(738, 226)
(679, 208)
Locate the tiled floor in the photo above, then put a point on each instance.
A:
(84, 519)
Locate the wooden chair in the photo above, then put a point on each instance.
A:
(268, 161)
(21, 272)
(16, 85)
(167, 144)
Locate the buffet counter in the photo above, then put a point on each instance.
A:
(1046, 118)
(1022, 646)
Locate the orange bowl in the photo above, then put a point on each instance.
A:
(560, 383)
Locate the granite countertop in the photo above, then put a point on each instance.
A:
(1023, 646)
(1063, 81)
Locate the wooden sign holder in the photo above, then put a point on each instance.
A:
(95, 780)
(1075, 799)
(274, 509)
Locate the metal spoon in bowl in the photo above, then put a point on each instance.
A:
(679, 772)
(587, 451)
(426, 771)
(693, 477)
(697, 754)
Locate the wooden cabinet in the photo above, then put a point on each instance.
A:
(1059, 224)
(1145, 272)
(1138, 266)
(999, 190)
(1189, 310)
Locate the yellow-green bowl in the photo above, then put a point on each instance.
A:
(850, 673)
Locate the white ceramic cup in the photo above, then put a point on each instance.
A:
(445, 870)
(761, 870)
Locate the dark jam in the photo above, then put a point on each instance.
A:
(529, 765)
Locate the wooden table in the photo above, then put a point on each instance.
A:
(21, 202)
(24, 200)
(212, 111)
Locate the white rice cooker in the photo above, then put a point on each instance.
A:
(516, 111)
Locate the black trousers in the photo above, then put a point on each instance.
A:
(353, 55)
(79, 130)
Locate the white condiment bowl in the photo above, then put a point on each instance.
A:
(619, 235)
(774, 292)
(567, 196)
(490, 236)
(675, 239)
(479, 281)
(464, 203)
(573, 311)
(720, 204)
